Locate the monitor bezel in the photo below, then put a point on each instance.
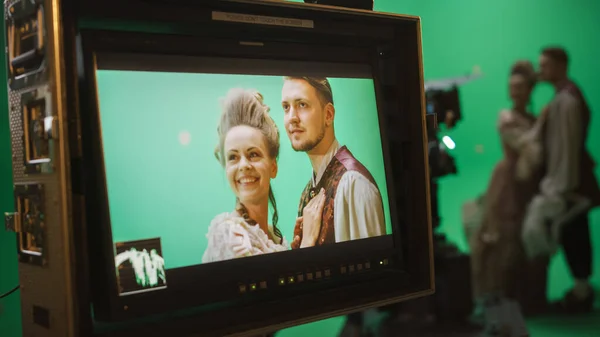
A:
(209, 291)
(417, 275)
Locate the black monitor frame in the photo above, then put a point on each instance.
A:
(390, 44)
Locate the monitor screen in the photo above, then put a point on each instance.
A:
(206, 164)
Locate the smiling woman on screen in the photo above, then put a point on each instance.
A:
(248, 150)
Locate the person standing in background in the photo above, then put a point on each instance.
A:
(498, 261)
(569, 170)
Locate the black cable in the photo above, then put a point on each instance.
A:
(10, 292)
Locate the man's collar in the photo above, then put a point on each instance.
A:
(333, 149)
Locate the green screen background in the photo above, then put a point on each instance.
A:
(457, 35)
(158, 187)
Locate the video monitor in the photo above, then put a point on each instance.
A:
(268, 168)
(234, 159)
(220, 166)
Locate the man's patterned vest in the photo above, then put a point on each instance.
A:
(588, 184)
(342, 162)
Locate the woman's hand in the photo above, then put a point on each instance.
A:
(297, 233)
(311, 220)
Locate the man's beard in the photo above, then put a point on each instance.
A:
(310, 144)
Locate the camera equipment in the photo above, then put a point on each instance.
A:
(113, 107)
(445, 104)
(441, 163)
(443, 99)
(453, 299)
(356, 4)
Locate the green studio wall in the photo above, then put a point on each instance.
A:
(461, 34)
(457, 35)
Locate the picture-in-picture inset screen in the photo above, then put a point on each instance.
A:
(208, 167)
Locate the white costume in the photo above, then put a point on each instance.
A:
(230, 236)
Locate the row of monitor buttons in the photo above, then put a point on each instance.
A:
(243, 288)
(253, 286)
(360, 266)
(310, 276)
(352, 268)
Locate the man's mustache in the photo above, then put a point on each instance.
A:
(295, 128)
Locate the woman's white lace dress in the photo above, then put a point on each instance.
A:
(230, 236)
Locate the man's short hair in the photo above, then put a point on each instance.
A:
(321, 85)
(557, 54)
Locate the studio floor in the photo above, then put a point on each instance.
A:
(587, 325)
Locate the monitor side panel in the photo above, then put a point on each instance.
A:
(41, 217)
